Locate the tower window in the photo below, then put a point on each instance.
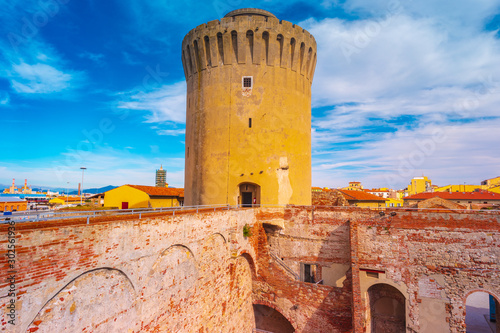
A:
(249, 122)
(247, 82)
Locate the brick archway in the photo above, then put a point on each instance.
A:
(274, 312)
(387, 309)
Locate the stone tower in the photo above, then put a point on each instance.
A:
(248, 119)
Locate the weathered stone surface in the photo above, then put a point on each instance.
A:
(198, 273)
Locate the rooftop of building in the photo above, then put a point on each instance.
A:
(476, 195)
(11, 199)
(160, 191)
(360, 195)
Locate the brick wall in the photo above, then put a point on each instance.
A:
(197, 273)
(163, 273)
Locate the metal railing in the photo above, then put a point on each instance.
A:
(47, 215)
(282, 264)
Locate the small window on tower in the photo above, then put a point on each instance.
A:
(247, 82)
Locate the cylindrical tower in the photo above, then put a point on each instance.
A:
(248, 119)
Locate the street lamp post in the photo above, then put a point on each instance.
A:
(81, 194)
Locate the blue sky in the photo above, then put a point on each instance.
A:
(402, 88)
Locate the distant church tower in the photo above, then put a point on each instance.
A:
(248, 119)
(161, 177)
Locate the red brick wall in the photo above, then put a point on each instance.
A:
(196, 272)
(157, 274)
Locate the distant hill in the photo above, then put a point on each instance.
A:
(95, 190)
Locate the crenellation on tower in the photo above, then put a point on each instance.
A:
(227, 41)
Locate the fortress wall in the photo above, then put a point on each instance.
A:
(197, 273)
(308, 238)
(435, 260)
(161, 273)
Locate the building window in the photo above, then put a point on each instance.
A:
(247, 82)
(309, 273)
(249, 122)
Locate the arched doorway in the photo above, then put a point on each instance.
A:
(268, 319)
(387, 309)
(249, 195)
(481, 313)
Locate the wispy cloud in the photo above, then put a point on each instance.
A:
(31, 64)
(165, 104)
(97, 58)
(172, 132)
(38, 79)
(4, 98)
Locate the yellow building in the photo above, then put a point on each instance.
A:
(248, 119)
(419, 185)
(391, 202)
(458, 188)
(492, 182)
(138, 196)
(65, 200)
(354, 186)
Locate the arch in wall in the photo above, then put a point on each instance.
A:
(301, 58)
(197, 57)
(249, 194)
(387, 309)
(234, 42)
(250, 40)
(168, 284)
(281, 42)
(482, 311)
(269, 317)
(220, 48)
(248, 257)
(292, 53)
(265, 38)
(102, 297)
(208, 51)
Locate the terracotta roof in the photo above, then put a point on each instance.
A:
(160, 191)
(479, 195)
(361, 196)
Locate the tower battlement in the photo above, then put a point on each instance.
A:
(249, 36)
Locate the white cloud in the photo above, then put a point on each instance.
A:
(165, 104)
(39, 79)
(172, 132)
